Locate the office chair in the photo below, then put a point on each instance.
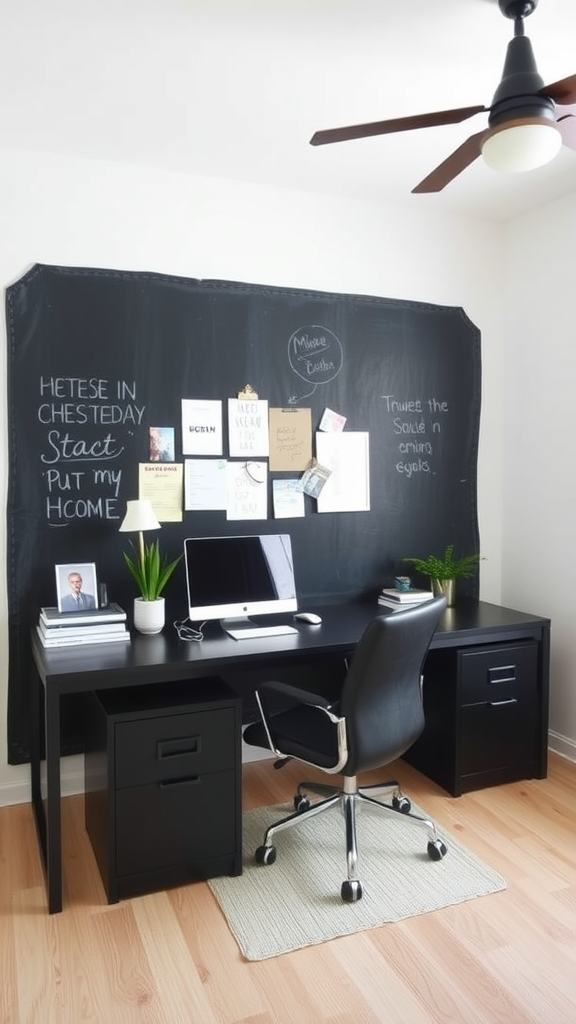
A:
(376, 718)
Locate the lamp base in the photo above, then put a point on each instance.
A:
(149, 616)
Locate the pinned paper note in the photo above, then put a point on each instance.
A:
(201, 427)
(247, 490)
(288, 498)
(205, 485)
(332, 421)
(161, 484)
(248, 427)
(348, 487)
(313, 478)
(290, 439)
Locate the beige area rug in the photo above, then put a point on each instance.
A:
(295, 902)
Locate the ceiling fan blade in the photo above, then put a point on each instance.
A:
(450, 168)
(397, 124)
(563, 92)
(567, 126)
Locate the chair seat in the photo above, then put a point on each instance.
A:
(302, 732)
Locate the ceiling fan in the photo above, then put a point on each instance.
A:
(524, 128)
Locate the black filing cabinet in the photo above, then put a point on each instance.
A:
(163, 784)
(482, 715)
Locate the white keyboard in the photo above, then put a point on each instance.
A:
(255, 632)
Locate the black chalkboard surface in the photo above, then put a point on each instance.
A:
(95, 357)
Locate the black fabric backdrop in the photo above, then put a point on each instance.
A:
(152, 340)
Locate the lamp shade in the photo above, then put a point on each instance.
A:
(139, 516)
(522, 144)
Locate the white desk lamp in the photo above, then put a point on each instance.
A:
(139, 517)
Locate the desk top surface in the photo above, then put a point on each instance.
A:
(165, 657)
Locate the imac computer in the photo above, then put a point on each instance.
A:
(231, 578)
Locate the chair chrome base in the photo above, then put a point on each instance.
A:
(349, 799)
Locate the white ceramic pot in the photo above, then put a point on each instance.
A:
(149, 616)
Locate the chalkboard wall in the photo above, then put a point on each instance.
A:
(95, 357)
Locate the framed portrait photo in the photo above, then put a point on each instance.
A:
(77, 587)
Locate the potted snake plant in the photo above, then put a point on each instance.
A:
(150, 571)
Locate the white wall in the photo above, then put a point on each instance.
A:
(539, 511)
(88, 213)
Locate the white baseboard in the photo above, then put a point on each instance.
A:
(255, 753)
(72, 777)
(14, 793)
(562, 745)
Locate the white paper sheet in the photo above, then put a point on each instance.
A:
(288, 499)
(205, 485)
(348, 486)
(201, 427)
(248, 427)
(247, 490)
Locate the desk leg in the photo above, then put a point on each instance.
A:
(47, 816)
(36, 689)
(53, 798)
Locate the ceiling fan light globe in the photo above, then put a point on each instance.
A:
(521, 145)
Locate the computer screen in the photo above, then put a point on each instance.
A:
(230, 578)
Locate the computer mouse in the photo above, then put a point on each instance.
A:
(310, 617)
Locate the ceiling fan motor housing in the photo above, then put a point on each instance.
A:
(517, 8)
(519, 93)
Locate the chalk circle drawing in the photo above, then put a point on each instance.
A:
(315, 354)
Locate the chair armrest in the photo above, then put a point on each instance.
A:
(273, 697)
(295, 694)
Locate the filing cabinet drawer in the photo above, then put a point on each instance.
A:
(497, 736)
(184, 822)
(174, 746)
(498, 673)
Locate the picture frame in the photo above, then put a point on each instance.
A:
(76, 587)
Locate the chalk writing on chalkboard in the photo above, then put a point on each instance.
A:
(315, 354)
(413, 423)
(84, 423)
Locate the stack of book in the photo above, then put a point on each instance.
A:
(70, 629)
(389, 597)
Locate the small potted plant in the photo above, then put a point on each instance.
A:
(151, 572)
(443, 570)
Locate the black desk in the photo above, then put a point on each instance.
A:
(164, 658)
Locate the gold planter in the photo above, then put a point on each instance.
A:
(446, 587)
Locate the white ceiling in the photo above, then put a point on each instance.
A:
(236, 88)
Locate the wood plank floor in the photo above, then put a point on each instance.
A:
(168, 958)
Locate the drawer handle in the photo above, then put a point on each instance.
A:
(193, 780)
(494, 675)
(179, 748)
(499, 703)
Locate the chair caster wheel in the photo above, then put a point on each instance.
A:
(402, 804)
(301, 803)
(437, 849)
(351, 892)
(265, 855)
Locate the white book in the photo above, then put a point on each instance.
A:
(52, 617)
(53, 632)
(79, 641)
(396, 606)
(413, 596)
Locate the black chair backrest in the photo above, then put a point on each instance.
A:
(381, 696)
